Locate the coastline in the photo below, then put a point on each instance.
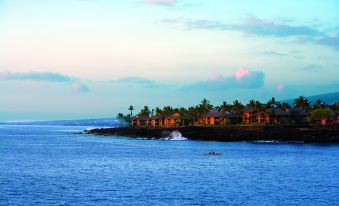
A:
(230, 134)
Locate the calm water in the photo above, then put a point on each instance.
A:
(51, 165)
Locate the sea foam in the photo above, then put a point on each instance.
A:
(175, 136)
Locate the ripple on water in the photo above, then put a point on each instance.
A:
(48, 166)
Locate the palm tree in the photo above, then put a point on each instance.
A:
(120, 116)
(283, 106)
(158, 111)
(258, 105)
(224, 106)
(204, 107)
(318, 104)
(335, 106)
(168, 110)
(301, 102)
(193, 113)
(251, 104)
(236, 108)
(182, 111)
(131, 108)
(237, 105)
(145, 111)
(272, 103)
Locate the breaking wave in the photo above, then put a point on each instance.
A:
(175, 136)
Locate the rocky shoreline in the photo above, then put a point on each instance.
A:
(230, 134)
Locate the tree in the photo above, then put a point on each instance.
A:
(182, 111)
(128, 118)
(159, 111)
(318, 114)
(224, 106)
(283, 106)
(131, 108)
(145, 111)
(168, 110)
(120, 116)
(204, 107)
(237, 105)
(335, 106)
(302, 103)
(258, 105)
(319, 104)
(237, 109)
(272, 103)
(251, 104)
(193, 113)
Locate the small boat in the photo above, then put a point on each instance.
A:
(214, 154)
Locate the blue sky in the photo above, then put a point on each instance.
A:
(68, 59)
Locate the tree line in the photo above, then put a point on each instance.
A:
(317, 110)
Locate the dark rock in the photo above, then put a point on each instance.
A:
(231, 134)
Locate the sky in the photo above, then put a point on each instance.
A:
(72, 59)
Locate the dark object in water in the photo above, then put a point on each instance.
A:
(214, 154)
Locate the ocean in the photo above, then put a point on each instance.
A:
(55, 165)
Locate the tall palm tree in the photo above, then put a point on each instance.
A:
(204, 107)
(131, 108)
(182, 111)
(237, 109)
(251, 103)
(319, 104)
(168, 110)
(120, 116)
(224, 106)
(194, 113)
(145, 111)
(301, 102)
(237, 105)
(258, 105)
(159, 111)
(283, 106)
(272, 103)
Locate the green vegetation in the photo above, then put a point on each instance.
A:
(320, 113)
(300, 113)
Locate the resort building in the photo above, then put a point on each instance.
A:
(141, 121)
(215, 117)
(248, 115)
(331, 120)
(273, 116)
(157, 121)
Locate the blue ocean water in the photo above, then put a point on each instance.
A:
(51, 165)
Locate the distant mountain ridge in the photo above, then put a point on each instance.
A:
(328, 98)
(84, 122)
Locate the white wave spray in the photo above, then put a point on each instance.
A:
(175, 136)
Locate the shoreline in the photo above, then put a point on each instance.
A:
(230, 134)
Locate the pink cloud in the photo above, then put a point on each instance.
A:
(161, 2)
(242, 72)
(280, 87)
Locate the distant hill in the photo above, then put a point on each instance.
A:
(328, 98)
(85, 122)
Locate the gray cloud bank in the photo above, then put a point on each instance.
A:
(266, 28)
(76, 84)
(36, 76)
